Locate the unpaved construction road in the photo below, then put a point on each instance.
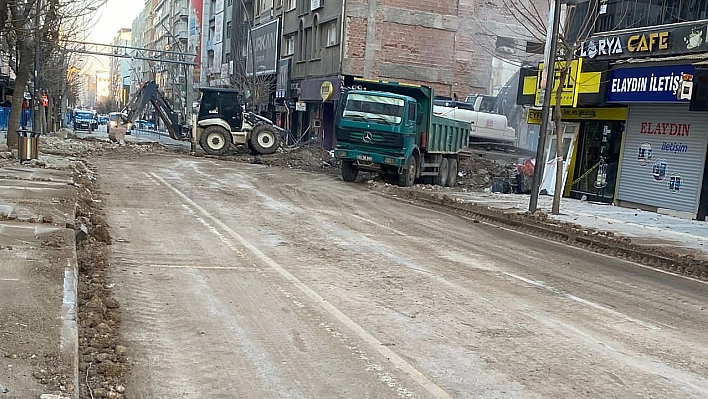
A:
(247, 281)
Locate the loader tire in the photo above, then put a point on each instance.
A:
(215, 140)
(265, 139)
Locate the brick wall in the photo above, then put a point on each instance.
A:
(355, 45)
(446, 44)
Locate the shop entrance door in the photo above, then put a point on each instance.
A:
(548, 184)
(595, 172)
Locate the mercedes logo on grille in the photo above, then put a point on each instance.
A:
(367, 137)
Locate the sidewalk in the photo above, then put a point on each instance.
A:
(38, 267)
(644, 228)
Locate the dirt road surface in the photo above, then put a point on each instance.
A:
(248, 281)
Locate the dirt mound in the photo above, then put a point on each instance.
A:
(478, 173)
(102, 360)
(306, 158)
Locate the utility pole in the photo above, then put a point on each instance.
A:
(549, 73)
(36, 120)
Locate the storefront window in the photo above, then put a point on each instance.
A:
(597, 159)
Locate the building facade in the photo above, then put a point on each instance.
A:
(119, 71)
(291, 58)
(641, 139)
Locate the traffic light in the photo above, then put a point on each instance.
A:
(699, 97)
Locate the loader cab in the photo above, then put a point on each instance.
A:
(225, 104)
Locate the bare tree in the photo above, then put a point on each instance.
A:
(34, 33)
(568, 44)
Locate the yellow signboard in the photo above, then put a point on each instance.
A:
(326, 90)
(534, 116)
(599, 113)
(579, 114)
(576, 82)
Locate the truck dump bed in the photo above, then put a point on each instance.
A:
(447, 136)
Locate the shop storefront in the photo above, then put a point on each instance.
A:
(320, 95)
(663, 160)
(595, 161)
(664, 152)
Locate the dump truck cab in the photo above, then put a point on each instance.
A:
(389, 128)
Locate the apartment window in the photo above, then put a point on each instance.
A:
(265, 6)
(228, 29)
(316, 37)
(307, 44)
(290, 5)
(301, 41)
(289, 46)
(331, 34)
(278, 3)
(628, 14)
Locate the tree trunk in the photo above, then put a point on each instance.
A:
(558, 125)
(23, 73)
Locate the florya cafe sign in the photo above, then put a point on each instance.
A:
(647, 84)
(683, 39)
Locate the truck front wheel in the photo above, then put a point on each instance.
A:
(215, 140)
(407, 177)
(349, 171)
(265, 139)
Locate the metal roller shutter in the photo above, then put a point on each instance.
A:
(663, 157)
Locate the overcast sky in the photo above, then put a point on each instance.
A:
(114, 15)
(111, 17)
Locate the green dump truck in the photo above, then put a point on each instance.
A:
(389, 128)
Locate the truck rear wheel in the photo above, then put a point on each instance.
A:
(407, 177)
(452, 175)
(349, 171)
(215, 140)
(265, 139)
(443, 172)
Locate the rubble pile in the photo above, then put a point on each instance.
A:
(308, 158)
(75, 147)
(102, 360)
(478, 173)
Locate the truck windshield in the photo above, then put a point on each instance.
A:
(374, 108)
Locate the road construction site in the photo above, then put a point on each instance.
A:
(263, 277)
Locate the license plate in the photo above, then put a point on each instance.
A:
(364, 158)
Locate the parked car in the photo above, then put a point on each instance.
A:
(143, 124)
(114, 119)
(83, 120)
(103, 119)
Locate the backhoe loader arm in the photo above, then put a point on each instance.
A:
(149, 93)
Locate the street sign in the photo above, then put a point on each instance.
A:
(534, 116)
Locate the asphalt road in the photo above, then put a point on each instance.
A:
(244, 281)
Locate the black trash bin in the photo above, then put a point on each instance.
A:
(27, 145)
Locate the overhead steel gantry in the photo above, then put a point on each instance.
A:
(138, 53)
